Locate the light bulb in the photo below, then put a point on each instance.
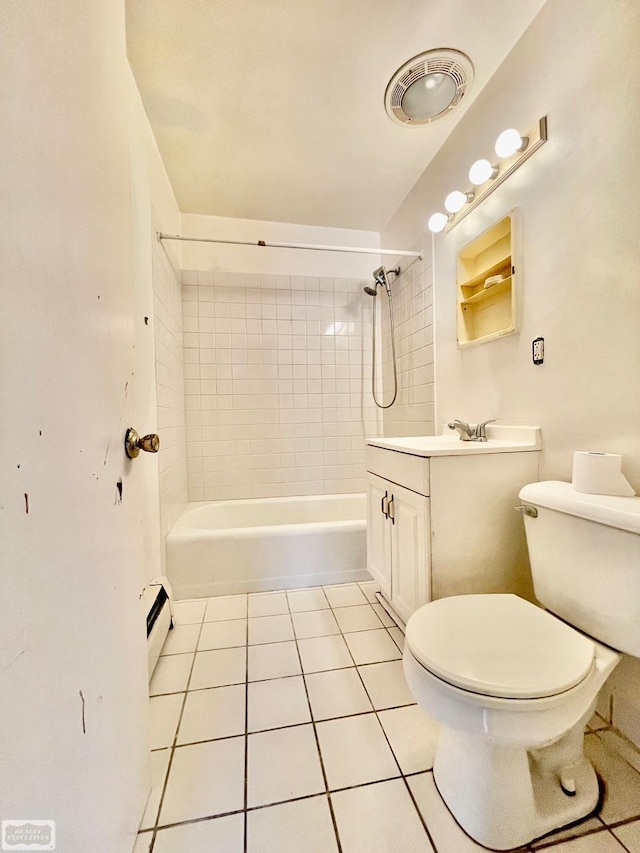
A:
(456, 200)
(509, 142)
(437, 222)
(481, 171)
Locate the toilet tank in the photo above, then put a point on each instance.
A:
(584, 552)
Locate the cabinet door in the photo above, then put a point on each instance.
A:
(411, 565)
(378, 533)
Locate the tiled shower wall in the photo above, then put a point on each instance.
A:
(172, 461)
(413, 412)
(277, 377)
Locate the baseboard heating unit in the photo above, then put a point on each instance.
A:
(157, 604)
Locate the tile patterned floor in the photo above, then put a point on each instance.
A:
(281, 722)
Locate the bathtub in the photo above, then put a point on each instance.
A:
(230, 547)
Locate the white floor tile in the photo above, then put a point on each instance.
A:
(379, 818)
(599, 842)
(307, 599)
(181, 639)
(384, 617)
(413, 737)
(322, 653)
(345, 595)
(336, 693)
(618, 745)
(171, 674)
(386, 685)
(268, 604)
(159, 764)
(276, 703)
(622, 782)
(189, 612)
(591, 824)
(218, 668)
(283, 764)
(445, 832)
(397, 636)
(224, 834)
(362, 617)
(214, 713)
(372, 647)
(305, 825)
(355, 751)
(143, 842)
(315, 623)
(274, 660)
(629, 834)
(164, 712)
(369, 588)
(223, 635)
(198, 788)
(270, 629)
(226, 607)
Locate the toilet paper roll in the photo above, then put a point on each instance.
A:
(596, 473)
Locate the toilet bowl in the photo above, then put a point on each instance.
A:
(513, 684)
(512, 687)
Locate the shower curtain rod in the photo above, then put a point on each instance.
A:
(309, 246)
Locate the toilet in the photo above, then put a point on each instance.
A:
(513, 684)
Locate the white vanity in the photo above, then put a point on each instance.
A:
(440, 515)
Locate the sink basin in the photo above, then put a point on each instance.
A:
(500, 439)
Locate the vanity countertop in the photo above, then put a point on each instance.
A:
(500, 439)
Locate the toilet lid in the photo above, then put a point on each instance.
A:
(499, 645)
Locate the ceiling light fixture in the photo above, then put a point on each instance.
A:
(512, 149)
(428, 87)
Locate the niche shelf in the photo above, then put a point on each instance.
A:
(487, 312)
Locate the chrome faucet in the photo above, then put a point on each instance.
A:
(471, 433)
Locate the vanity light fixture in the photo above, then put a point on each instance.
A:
(482, 171)
(456, 200)
(437, 222)
(509, 142)
(512, 150)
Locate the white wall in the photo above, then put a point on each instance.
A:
(77, 188)
(270, 261)
(579, 250)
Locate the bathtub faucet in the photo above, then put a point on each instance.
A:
(471, 433)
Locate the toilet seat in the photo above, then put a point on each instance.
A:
(500, 646)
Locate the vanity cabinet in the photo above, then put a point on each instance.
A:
(398, 543)
(445, 524)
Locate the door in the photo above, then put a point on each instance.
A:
(378, 532)
(410, 581)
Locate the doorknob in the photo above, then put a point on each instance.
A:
(133, 444)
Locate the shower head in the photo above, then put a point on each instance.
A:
(381, 279)
(370, 291)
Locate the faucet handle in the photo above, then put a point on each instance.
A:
(481, 428)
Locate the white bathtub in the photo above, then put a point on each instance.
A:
(229, 547)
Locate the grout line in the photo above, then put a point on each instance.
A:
(315, 734)
(172, 747)
(246, 735)
(401, 774)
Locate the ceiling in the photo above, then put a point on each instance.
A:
(273, 109)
